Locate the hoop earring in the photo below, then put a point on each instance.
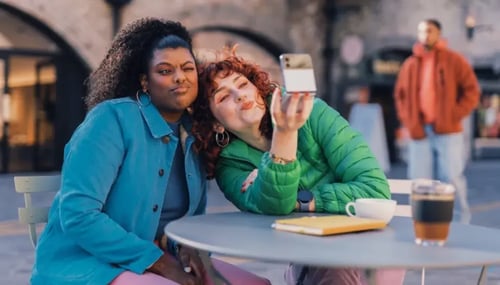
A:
(222, 139)
(274, 85)
(142, 93)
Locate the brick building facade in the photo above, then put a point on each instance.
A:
(82, 30)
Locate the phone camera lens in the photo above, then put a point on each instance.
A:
(287, 65)
(287, 59)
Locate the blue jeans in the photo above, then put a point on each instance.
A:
(440, 157)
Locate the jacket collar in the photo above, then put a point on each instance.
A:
(155, 122)
(419, 49)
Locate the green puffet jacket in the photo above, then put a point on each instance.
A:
(333, 161)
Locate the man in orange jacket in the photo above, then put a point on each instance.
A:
(436, 88)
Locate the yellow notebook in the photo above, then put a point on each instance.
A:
(327, 225)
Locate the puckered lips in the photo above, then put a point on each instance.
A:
(247, 105)
(181, 89)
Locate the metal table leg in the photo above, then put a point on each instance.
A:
(216, 277)
(482, 276)
(422, 276)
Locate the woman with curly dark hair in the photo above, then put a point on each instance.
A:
(129, 169)
(274, 154)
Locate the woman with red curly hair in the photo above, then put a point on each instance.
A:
(274, 154)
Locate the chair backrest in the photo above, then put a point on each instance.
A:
(31, 215)
(401, 186)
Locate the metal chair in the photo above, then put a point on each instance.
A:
(30, 214)
(401, 186)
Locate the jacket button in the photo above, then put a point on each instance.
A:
(155, 207)
(161, 172)
(165, 139)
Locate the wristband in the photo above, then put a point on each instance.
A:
(280, 160)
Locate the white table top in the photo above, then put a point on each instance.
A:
(248, 235)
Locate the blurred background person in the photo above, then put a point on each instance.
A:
(435, 90)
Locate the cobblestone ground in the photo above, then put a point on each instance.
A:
(16, 253)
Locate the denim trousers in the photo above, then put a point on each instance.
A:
(441, 157)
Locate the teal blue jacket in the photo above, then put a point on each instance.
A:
(114, 177)
(333, 161)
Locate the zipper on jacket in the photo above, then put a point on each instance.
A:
(417, 79)
(441, 77)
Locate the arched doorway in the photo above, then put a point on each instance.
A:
(41, 87)
(251, 45)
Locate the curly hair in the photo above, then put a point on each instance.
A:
(129, 57)
(204, 120)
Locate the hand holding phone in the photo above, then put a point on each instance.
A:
(298, 73)
(289, 113)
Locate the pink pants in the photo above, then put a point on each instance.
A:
(232, 273)
(342, 276)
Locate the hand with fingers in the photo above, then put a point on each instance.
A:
(191, 262)
(249, 181)
(169, 267)
(291, 111)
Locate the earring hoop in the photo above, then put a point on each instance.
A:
(142, 93)
(222, 139)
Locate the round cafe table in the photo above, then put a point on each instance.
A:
(247, 235)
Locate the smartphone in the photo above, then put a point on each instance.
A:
(298, 73)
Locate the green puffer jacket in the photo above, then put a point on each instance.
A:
(333, 161)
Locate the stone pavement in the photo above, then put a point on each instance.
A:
(16, 253)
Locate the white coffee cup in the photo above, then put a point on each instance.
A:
(372, 208)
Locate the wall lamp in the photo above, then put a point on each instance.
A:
(471, 27)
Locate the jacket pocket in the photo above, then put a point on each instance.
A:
(456, 115)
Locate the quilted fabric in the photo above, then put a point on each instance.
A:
(333, 161)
